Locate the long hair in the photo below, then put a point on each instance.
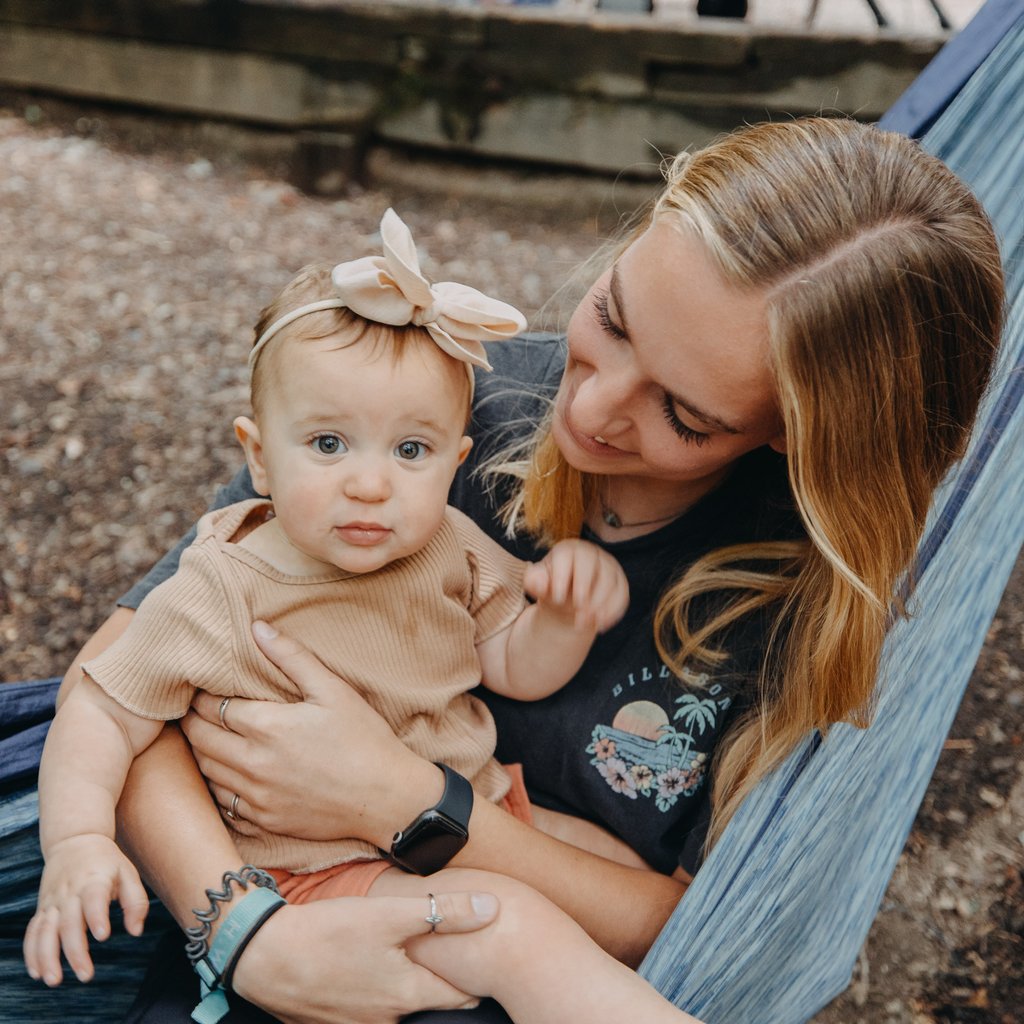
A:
(884, 308)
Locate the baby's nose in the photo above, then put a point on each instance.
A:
(367, 484)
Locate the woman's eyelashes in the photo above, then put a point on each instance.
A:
(688, 434)
(604, 317)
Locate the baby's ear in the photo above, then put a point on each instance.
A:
(248, 435)
(464, 447)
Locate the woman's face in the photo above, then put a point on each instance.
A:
(667, 377)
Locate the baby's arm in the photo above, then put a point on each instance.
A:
(587, 836)
(579, 591)
(88, 751)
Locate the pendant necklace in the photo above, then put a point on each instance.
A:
(611, 518)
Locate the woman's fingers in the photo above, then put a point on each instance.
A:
(458, 911)
(224, 797)
(323, 751)
(213, 747)
(298, 664)
(229, 714)
(309, 960)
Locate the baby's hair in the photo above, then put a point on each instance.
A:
(310, 284)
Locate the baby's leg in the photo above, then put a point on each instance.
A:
(534, 959)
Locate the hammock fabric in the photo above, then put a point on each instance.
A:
(771, 928)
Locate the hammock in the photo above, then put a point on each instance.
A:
(771, 928)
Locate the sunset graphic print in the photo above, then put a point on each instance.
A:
(644, 754)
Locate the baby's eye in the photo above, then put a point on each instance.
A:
(327, 444)
(411, 451)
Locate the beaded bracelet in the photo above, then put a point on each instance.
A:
(215, 962)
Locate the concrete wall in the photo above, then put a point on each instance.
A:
(596, 90)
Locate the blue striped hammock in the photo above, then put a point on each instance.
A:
(771, 928)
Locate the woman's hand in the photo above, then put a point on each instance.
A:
(343, 961)
(334, 754)
(325, 753)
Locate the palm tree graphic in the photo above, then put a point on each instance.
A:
(695, 712)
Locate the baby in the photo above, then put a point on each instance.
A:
(362, 383)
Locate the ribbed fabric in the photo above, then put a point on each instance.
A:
(403, 636)
(771, 928)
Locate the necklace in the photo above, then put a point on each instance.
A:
(611, 518)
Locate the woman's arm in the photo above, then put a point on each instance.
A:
(326, 751)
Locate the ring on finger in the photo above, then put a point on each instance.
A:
(232, 811)
(433, 918)
(222, 711)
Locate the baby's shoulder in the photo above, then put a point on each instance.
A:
(224, 524)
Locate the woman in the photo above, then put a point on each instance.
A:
(758, 398)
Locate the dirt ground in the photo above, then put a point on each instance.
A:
(134, 255)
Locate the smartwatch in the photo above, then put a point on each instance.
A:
(430, 841)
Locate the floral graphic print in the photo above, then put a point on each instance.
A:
(642, 754)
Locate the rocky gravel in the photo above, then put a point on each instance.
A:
(135, 255)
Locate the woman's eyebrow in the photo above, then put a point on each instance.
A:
(697, 413)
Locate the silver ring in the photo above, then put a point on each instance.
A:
(222, 711)
(232, 811)
(433, 918)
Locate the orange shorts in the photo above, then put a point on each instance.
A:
(354, 877)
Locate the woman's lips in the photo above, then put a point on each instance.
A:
(592, 445)
(363, 534)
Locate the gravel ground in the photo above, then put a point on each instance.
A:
(133, 262)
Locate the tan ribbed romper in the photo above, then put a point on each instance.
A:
(403, 636)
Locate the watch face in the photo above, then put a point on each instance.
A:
(430, 842)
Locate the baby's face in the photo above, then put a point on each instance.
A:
(359, 450)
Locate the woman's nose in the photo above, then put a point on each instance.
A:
(606, 401)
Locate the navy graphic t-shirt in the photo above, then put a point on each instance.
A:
(626, 743)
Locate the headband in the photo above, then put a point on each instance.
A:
(390, 289)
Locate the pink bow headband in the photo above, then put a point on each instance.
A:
(390, 289)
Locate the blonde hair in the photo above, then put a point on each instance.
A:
(884, 301)
(310, 284)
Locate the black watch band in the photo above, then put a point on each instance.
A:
(430, 841)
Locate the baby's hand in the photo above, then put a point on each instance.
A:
(581, 582)
(82, 875)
